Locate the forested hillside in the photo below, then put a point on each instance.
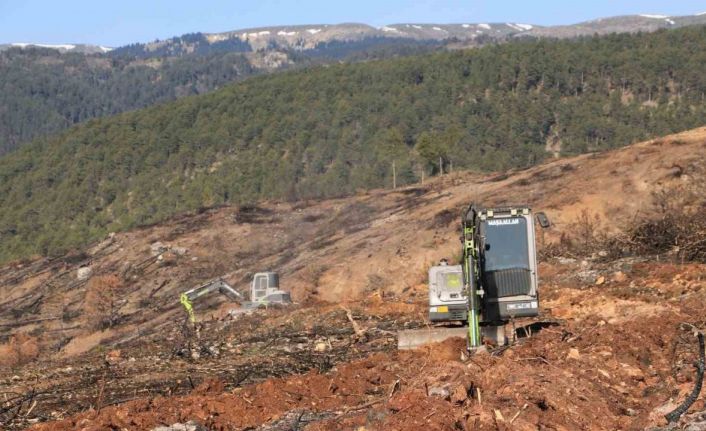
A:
(331, 130)
(43, 91)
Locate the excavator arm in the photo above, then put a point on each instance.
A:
(219, 285)
(188, 306)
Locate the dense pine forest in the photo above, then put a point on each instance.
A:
(331, 130)
(43, 91)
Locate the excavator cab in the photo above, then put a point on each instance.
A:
(499, 264)
(264, 289)
(507, 263)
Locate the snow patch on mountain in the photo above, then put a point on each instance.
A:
(520, 27)
(644, 15)
(314, 30)
(485, 26)
(213, 38)
(388, 29)
(254, 35)
(286, 33)
(43, 45)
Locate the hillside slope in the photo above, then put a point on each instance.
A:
(371, 252)
(44, 92)
(616, 24)
(342, 249)
(333, 130)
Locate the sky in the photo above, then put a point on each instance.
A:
(119, 22)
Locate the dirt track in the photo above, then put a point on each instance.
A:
(609, 355)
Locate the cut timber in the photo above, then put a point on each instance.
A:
(358, 332)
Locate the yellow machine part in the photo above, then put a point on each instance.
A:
(188, 307)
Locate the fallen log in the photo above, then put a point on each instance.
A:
(358, 332)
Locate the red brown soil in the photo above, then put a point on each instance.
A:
(618, 377)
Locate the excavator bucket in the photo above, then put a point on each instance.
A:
(414, 338)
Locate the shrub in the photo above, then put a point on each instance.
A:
(102, 301)
(679, 226)
(20, 349)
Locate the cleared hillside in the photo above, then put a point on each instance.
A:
(343, 249)
(609, 330)
(330, 131)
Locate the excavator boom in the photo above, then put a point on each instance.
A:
(218, 285)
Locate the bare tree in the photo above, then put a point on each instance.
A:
(102, 301)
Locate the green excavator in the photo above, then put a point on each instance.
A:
(495, 282)
(264, 291)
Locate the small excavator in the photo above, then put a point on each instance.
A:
(495, 282)
(264, 290)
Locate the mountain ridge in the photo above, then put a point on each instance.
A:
(306, 36)
(65, 47)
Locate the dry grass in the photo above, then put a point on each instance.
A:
(21, 348)
(311, 276)
(582, 237)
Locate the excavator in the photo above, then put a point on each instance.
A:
(495, 282)
(264, 290)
